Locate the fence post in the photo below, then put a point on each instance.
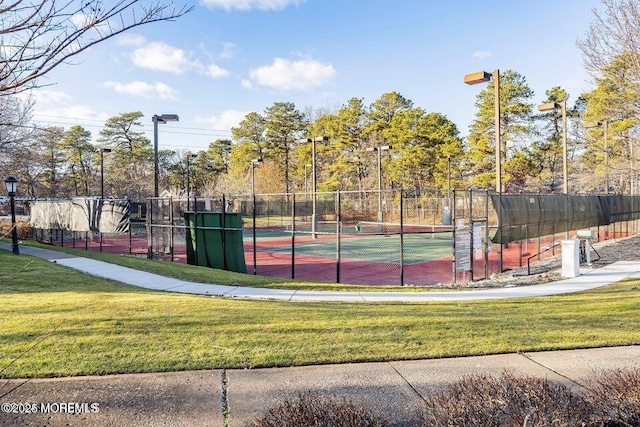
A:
(293, 235)
(401, 237)
(171, 225)
(486, 234)
(453, 221)
(338, 220)
(472, 245)
(224, 232)
(501, 246)
(100, 234)
(149, 224)
(253, 215)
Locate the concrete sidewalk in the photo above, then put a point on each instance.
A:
(589, 279)
(197, 398)
(394, 390)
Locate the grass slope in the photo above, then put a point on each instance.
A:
(86, 325)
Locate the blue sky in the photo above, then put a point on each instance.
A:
(230, 57)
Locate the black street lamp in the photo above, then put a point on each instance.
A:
(12, 185)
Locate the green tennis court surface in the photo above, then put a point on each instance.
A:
(379, 248)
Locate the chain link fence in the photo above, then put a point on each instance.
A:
(392, 237)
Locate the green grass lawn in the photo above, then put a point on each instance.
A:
(58, 322)
(221, 277)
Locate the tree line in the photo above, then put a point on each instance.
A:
(425, 149)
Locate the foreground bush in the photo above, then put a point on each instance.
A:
(505, 401)
(609, 399)
(616, 397)
(311, 410)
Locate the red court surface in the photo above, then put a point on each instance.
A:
(351, 271)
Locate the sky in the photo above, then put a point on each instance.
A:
(228, 58)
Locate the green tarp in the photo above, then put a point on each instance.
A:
(214, 240)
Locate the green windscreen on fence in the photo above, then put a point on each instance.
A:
(214, 240)
(522, 216)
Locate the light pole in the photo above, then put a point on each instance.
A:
(189, 156)
(314, 187)
(565, 170)
(449, 177)
(102, 151)
(306, 190)
(379, 151)
(163, 118)
(12, 186)
(254, 164)
(605, 125)
(483, 77)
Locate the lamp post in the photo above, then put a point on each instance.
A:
(379, 151)
(565, 170)
(189, 156)
(163, 118)
(605, 125)
(449, 176)
(306, 190)
(314, 187)
(254, 164)
(12, 185)
(483, 77)
(102, 151)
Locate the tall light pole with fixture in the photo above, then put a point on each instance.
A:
(162, 118)
(483, 77)
(306, 189)
(189, 156)
(379, 151)
(102, 151)
(605, 126)
(12, 186)
(314, 184)
(548, 106)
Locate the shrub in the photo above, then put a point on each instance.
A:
(505, 401)
(311, 410)
(616, 396)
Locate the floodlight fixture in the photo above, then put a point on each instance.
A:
(484, 77)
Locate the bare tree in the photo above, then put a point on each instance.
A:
(614, 32)
(15, 118)
(36, 37)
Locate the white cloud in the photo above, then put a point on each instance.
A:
(228, 50)
(288, 75)
(481, 54)
(250, 4)
(225, 121)
(162, 57)
(50, 96)
(247, 84)
(214, 71)
(142, 89)
(131, 40)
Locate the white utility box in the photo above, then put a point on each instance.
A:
(570, 258)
